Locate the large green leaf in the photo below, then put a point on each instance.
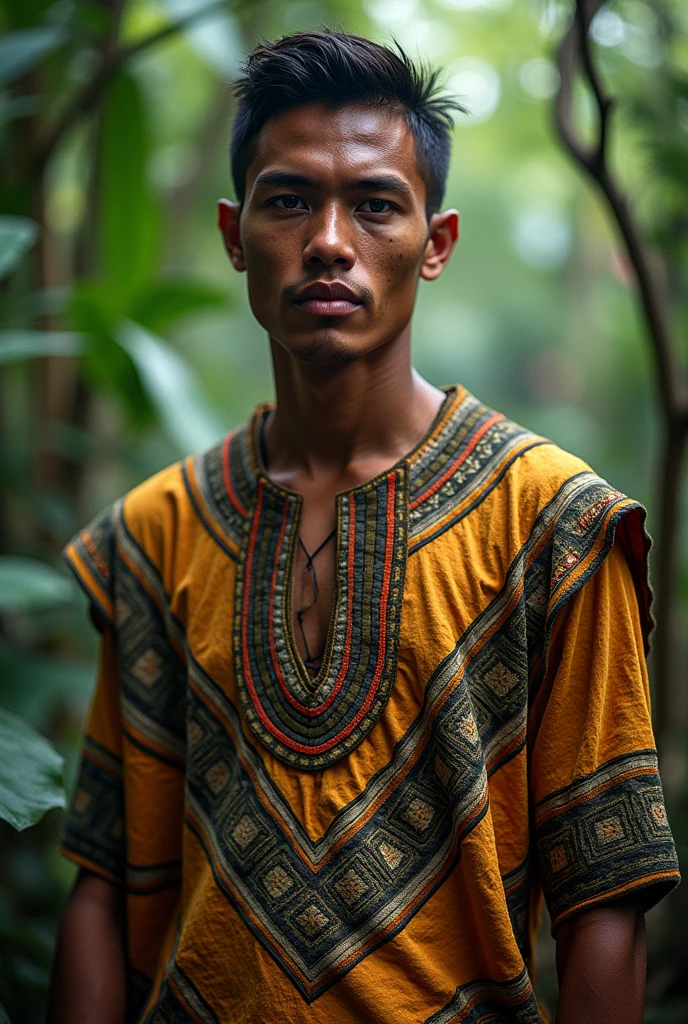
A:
(27, 585)
(18, 345)
(167, 301)
(23, 50)
(17, 235)
(106, 365)
(170, 383)
(129, 219)
(31, 781)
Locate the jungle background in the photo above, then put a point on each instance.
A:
(126, 341)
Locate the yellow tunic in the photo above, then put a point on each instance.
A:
(372, 844)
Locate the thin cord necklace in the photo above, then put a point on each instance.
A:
(312, 662)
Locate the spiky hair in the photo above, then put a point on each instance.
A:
(338, 69)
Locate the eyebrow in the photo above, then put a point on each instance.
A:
(285, 179)
(384, 183)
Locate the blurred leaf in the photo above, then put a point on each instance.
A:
(27, 585)
(94, 18)
(168, 301)
(129, 222)
(23, 50)
(105, 364)
(91, 308)
(21, 306)
(17, 235)
(21, 13)
(170, 383)
(18, 345)
(4, 1019)
(30, 773)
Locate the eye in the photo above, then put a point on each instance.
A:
(289, 203)
(375, 206)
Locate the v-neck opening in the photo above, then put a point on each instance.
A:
(313, 683)
(313, 721)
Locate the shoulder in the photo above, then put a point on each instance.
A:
(560, 515)
(572, 520)
(153, 508)
(544, 471)
(143, 528)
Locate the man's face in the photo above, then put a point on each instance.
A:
(333, 232)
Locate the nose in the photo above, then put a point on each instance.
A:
(330, 240)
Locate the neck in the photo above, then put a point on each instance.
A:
(331, 418)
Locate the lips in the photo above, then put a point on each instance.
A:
(327, 298)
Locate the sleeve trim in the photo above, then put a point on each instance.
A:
(90, 865)
(655, 887)
(612, 839)
(623, 766)
(89, 584)
(103, 758)
(575, 567)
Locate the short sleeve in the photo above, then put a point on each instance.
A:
(125, 821)
(94, 832)
(601, 827)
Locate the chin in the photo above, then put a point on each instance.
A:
(328, 347)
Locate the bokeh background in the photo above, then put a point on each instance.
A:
(126, 340)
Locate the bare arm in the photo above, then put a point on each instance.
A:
(601, 963)
(89, 975)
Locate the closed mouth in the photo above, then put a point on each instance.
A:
(327, 298)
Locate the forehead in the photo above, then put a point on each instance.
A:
(337, 144)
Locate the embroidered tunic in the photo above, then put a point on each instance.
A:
(371, 844)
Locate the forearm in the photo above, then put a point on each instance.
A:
(89, 972)
(601, 961)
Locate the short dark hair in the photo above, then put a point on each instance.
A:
(339, 69)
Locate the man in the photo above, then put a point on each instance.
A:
(372, 674)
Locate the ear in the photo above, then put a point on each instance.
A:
(443, 236)
(228, 222)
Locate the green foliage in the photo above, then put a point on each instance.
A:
(180, 407)
(23, 50)
(27, 585)
(18, 345)
(128, 216)
(17, 236)
(165, 302)
(30, 773)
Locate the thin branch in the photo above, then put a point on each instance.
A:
(585, 11)
(671, 375)
(87, 97)
(575, 54)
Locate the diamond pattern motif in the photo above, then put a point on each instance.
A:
(351, 886)
(148, 668)
(277, 882)
(419, 814)
(312, 921)
(245, 832)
